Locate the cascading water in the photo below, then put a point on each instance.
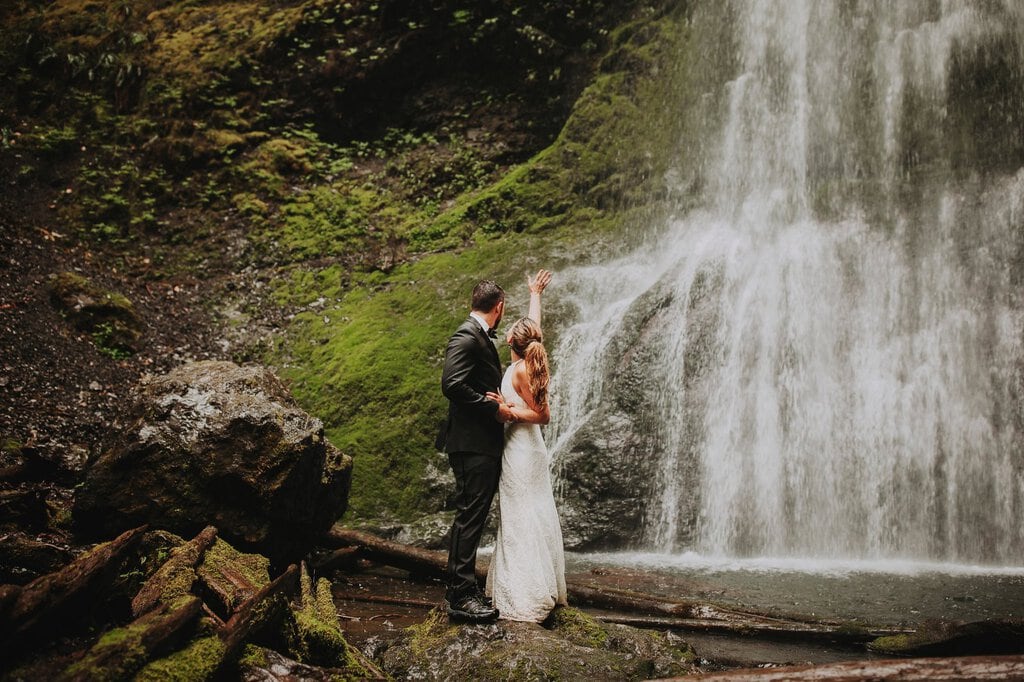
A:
(825, 358)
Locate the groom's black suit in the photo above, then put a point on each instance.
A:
(473, 439)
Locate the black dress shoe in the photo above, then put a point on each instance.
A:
(471, 609)
(478, 593)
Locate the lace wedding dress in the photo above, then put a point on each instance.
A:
(526, 578)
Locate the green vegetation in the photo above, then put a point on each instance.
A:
(369, 365)
(200, 660)
(304, 132)
(578, 627)
(313, 633)
(432, 634)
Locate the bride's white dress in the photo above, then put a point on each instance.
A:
(526, 578)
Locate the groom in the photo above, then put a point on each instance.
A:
(473, 437)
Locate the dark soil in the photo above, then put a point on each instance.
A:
(62, 399)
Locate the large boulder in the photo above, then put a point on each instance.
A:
(217, 444)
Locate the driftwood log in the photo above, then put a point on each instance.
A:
(118, 657)
(182, 564)
(265, 606)
(395, 554)
(653, 611)
(905, 670)
(344, 559)
(52, 601)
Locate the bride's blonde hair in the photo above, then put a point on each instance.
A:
(527, 341)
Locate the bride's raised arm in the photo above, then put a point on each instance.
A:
(537, 284)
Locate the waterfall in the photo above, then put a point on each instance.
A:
(824, 358)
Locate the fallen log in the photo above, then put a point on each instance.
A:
(177, 575)
(395, 554)
(266, 605)
(207, 658)
(783, 631)
(49, 603)
(228, 578)
(938, 638)
(346, 558)
(121, 652)
(368, 665)
(905, 670)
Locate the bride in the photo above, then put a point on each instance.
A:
(526, 579)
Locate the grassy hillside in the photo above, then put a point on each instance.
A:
(315, 185)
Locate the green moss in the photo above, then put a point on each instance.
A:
(432, 633)
(175, 578)
(254, 656)
(100, 664)
(120, 652)
(200, 660)
(578, 627)
(109, 317)
(930, 632)
(892, 644)
(609, 158)
(369, 365)
(195, 44)
(313, 634)
(221, 556)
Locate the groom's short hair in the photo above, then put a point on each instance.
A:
(486, 295)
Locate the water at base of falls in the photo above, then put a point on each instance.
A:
(875, 592)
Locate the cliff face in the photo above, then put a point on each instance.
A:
(288, 183)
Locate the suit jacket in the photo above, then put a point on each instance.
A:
(471, 368)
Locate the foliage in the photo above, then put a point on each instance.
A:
(369, 365)
(382, 157)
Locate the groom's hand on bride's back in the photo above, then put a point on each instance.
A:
(504, 413)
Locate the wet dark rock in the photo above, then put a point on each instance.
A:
(214, 443)
(605, 499)
(266, 665)
(570, 645)
(24, 558)
(429, 531)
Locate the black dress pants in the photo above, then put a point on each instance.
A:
(476, 481)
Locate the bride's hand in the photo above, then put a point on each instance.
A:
(496, 397)
(538, 282)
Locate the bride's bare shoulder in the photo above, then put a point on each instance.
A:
(519, 375)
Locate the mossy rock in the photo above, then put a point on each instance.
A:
(219, 444)
(260, 663)
(109, 317)
(574, 647)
